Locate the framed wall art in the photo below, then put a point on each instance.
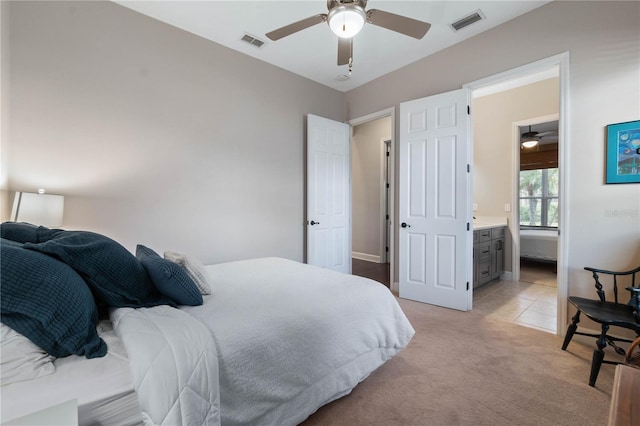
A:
(623, 152)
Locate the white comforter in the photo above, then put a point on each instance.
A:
(292, 337)
(173, 363)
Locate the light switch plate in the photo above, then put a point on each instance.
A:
(507, 207)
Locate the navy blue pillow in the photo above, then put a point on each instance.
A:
(169, 277)
(19, 231)
(23, 232)
(48, 302)
(114, 274)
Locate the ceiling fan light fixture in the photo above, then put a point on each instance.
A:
(347, 20)
(530, 142)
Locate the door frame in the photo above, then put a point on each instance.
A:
(561, 61)
(385, 200)
(388, 112)
(515, 201)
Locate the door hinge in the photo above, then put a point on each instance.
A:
(387, 185)
(468, 110)
(467, 285)
(468, 226)
(388, 153)
(468, 168)
(386, 249)
(387, 217)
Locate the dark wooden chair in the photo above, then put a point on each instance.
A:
(607, 313)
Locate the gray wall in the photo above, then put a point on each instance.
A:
(603, 39)
(4, 112)
(156, 136)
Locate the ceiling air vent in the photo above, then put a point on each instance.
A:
(468, 20)
(254, 41)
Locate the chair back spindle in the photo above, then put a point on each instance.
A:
(624, 276)
(601, 294)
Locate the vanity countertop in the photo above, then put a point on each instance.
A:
(487, 222)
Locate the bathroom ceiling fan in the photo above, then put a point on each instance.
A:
(530, 139)
(346, 18)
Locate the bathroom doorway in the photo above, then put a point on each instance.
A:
(535, 90)
(538, 203)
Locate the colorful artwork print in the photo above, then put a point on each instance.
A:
(629, 152)
(623, 152)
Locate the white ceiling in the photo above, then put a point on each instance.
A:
(312, 53)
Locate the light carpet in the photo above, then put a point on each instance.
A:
(463, 368)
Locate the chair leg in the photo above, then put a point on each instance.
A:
(598, 355)
(571, 330)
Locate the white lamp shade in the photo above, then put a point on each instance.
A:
(38, 209)
(346, 21)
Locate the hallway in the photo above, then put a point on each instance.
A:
(376, 271)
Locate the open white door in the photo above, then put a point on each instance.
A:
(435, 236)
(328, 194)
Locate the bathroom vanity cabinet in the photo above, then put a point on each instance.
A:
(488, 254)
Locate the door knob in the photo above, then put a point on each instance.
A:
(314, 223)
(404, 225)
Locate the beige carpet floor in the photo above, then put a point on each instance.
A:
(463, 368)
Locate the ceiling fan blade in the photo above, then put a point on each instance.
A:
(400, 24)
(296, 26)
(345, 50)
(549, 133)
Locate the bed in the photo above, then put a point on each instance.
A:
(103, 386)
(269, 342)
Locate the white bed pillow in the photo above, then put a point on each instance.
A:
(195, 269)
(21, 359)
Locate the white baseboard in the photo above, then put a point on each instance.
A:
(395, 287)
(367, 257)
(507, 276)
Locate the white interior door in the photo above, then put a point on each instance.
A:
(328, 194)
(434, 201)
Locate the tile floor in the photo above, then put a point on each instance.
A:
(531, 303)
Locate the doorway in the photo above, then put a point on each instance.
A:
(538, 210)
(508, 205)
(538, 201)
(372, 196)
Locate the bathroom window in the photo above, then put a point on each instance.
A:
(539, 198)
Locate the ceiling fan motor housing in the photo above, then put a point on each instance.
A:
(334, 3)
(346, 19)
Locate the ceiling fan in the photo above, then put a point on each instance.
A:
(530, 139)
(346, 18)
